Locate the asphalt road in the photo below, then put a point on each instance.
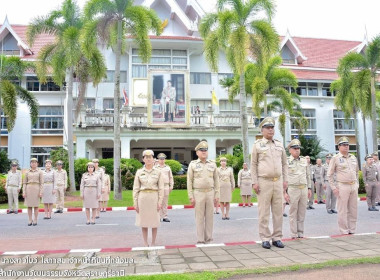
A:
(117, 229)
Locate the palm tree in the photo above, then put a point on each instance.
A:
(65, 59)
(110, 21)
(236, 29)
(370, 61)
(13, 68)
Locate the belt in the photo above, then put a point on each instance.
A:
(348, 183)
(274, 179)
(297, 186)
(90, 186)
(33, 183)
(166, 185)
(60, 185)
(204, 190)
(47, 182)
(149, 191)
(13, 186)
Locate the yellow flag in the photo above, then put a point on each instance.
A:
(214, 100)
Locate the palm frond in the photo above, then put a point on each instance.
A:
(9, 97)
(95, 7)
(42, 24)
(211, 48)
(44, 58)
(30, 100)
(207, 23)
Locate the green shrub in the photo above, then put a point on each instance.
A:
(361, 183)
(127, 182)
(180, 182)
(131, 165)
(3, 194)
(108, 164)
(80, 166)
(5, 163)
(174, 165)
(60, 154)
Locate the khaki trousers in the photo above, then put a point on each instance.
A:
(320, 191)
(270, 199)
(330, 198)
(347, 207)
(204, 215)
(310, 201)
(378, 194)
(371, 191)
(297, 210)
(164, 208)
(12, 198)
(60, 197)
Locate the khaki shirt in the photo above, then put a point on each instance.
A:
(167, 175)
(202, 175)
(299, 172)
(244, 175)
(268, 160)
(49, 177)
(226, 175)
(100, 173)
(60, 179)
(370, 174)
(346, 169)
(90, 181)
(319, 173)
(107, 183)
(13, 179)
(146, 180)
(33, 177)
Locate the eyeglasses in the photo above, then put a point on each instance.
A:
(345, 145)
(203, 150)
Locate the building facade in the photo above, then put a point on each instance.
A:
(167, 103)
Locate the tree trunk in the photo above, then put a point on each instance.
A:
(357, 137)
(116, 126)
(365, 135)
(373, 114)
(243, 117)
(70, 144)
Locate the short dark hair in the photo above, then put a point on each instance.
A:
(169, 81)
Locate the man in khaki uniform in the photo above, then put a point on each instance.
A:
(204, 191)
(167, 174)
(13, 187)
(330, 197)
(319, 176)
(345, 187)
(60, 184)
(310, 200)
(299, 188)
(371, 178)
(98, 171)
(269, 171)
(376, 162)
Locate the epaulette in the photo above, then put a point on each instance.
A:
(336, 155)
(258, 140)
(276, 140)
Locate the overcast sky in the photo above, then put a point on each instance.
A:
(334, 19)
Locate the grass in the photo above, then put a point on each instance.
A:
(211, 275)
(176, 197)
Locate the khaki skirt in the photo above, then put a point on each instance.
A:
(225, 191)
(104, 196)
(148, 215)
(48, 196)
(32, 198)
(89, 197)
(246, 187)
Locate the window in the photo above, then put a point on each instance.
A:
(226, 107)
(32, 84)
(287, 56)
(203, 104)
(42, 154)
(164, 59)
(311, 128)
(50, 120)
(326, 90)
(109, 104)
(111, 77)
(200, 78)
(341, 125)
(222, 76)
(3, 124)
(307, 89)
(50, 86)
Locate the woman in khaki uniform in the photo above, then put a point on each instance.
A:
(148, 193)
(48, 197)
(227, 185)
(32, 190)
(245, 185)
(106, 189)
(90, 188)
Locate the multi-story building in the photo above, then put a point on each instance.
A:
(173, 119)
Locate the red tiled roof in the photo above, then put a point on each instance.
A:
(315, 75)
(40, 41)
(323, 53)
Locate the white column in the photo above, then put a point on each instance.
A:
(81, 147)
(211, 148)
(230, 149)
(125, 147)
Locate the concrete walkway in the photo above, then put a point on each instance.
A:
(75, 265)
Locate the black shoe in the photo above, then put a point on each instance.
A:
(330, 211)
(265, 245)
(34, 224)
(97, 217)
(166, 220)
(375, 209)
(334, 211)
(284, 215)
(45, 218)
(29, 224)
(57, 211)
(223, 218)
(311, 207)
(278, 244)
(371, 209)
(16, 212)
(308, 208)
(321, 202)
(10, 212)
(378, 204)
(227, 218)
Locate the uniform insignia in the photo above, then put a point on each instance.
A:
(198, 165)
(262, 145)
(341, 160)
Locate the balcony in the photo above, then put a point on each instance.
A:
(130, 119)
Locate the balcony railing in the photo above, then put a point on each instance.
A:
(129, 119)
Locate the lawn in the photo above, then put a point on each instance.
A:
(176, 197)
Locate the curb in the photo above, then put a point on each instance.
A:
(129, 208)
(129, 249)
